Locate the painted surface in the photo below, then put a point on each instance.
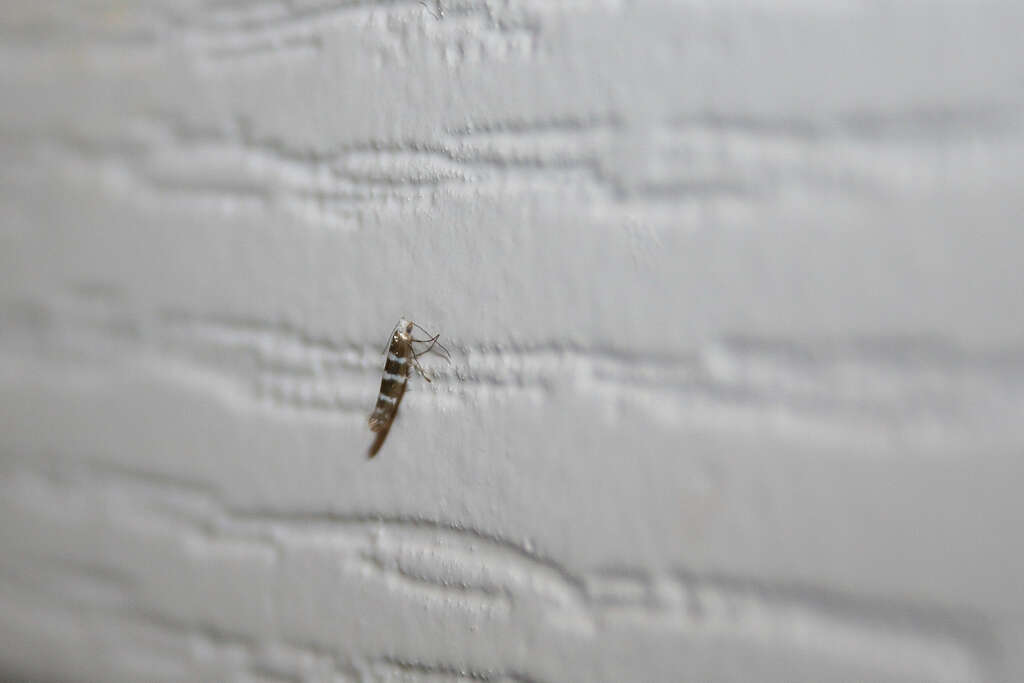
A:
(733, 298)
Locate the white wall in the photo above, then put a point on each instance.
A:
(733, 292)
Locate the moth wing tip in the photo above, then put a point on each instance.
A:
(378, 441)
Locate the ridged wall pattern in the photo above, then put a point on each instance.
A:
(732, 291)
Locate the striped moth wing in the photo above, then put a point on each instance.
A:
(392, 384)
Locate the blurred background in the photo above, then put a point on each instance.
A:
(732, 292)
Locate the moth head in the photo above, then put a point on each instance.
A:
(403, 330)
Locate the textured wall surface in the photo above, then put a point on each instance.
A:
(733, 293)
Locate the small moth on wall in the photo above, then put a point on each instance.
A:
(400, 355)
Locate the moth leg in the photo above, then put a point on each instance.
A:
(419, 368)
(433, 341)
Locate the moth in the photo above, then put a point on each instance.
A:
(400, 355)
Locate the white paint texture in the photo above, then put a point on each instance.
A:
(733, 297)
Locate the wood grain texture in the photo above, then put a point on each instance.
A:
(737, 378)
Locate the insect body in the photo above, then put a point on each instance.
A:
(400, 356)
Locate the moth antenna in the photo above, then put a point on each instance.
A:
(388, 344)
